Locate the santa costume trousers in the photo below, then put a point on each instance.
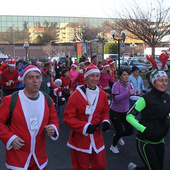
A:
(85, 161)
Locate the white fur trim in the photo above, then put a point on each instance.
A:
(106, 65)
(63, 99)
(55, 91)
(81, 71)
(91, 71)
(58, 80)
(11, 65)
(74, 65)
(25, 73)
(112, 62)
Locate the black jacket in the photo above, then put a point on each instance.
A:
(155, 116)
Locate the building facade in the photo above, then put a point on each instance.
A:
(52, 35)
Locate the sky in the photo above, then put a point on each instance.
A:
(69, 8)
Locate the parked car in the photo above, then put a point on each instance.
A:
(126, 56)
(123, 65)
(133, 62)
(145, 62)
(128, 64)
(111, 56)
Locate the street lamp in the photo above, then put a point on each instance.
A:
(26, 46)
(133, 45)
(119, 39)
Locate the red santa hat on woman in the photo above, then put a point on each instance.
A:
(111, 61)
(91, 69)
(106, 64)
(11, 64)
(27, 70)
(74, 65)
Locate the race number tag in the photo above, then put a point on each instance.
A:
(34, 123)
(48, 84)
(88, 110)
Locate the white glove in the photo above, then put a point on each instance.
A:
(63, 99)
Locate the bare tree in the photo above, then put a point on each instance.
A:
(150, 24)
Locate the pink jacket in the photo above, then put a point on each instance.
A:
(105, 79)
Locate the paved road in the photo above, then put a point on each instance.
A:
(59, 153)
(60, 159)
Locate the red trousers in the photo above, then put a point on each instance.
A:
(33, 165)
(85, 161)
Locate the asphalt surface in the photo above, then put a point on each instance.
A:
(60, 159)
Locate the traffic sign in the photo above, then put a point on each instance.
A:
(122, 47)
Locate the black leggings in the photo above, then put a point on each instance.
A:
(119, 120)
(151, 154)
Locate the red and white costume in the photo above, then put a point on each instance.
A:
(6, 76)
(79, 78)
(76, 119)
(35, 139)
(66, 82)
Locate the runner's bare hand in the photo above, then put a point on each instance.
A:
(18, 143)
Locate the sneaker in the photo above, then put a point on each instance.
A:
(121, 142)
(114, 149)
(132, 166)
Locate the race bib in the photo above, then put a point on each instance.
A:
(34, 123)
(88, 110)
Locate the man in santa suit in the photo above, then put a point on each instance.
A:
(9, 79)
(25, 138)
(86, 113)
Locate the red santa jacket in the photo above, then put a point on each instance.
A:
(34, 146)
(7, 75)
(66, 82)
(76, 119)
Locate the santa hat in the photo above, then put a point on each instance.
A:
(1, 62)
(111, 61)
(74, 65)
(91, 69)
(7, 59)
(86, 60)
(38, 62)
(11, 63)
(106, 64)
(27, 70)
(58, 92)
(58, 80)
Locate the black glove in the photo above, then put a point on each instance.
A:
(91, 129)
(105, 126)
(144, 91)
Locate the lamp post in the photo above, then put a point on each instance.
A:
(119, 39)
(133, 45)
(26, 46)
